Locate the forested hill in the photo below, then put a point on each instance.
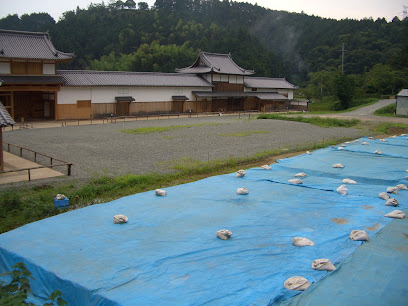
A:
(169, 35)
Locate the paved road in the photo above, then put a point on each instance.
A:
(366, 113)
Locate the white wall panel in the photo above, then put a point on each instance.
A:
(4, 68)
(48, 68)
(70, 95)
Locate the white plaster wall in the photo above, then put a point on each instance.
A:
(69, 95)
(4, 68)
(48, 68)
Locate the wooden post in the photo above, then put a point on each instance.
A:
(1, 149)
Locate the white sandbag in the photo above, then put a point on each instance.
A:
(403, 134)
(241, 173)
(160, 192)
(242, 191)
(297, 283)
(406, 170)
(402, 187)
(384, 195)
(392, 190)
(365, 143)
(302, 242)
(308, 152)
(349, 181)
(60, 197)
(347, 142)
(266, 167)
(295, 181)
(338, 166)
(396, 214)
(377, 152)
(224, 234)
(323, 264)
(340, 148)
(392, 202)
(300, 174)
(371, 138)
(120, 219)
(393, 136)
(383, 140)
(359, 235)
(342, 190)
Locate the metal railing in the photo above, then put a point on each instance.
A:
(53, 162)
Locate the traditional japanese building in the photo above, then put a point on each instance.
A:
(31, 86)
(29, 82)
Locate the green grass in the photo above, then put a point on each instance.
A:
(391, 128)
(322, 122)
(22, 205)
(387, 111)
(244, 133)
(156, 129)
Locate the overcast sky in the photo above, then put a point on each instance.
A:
(355, 9)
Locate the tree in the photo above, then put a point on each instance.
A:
(143, 6)
(344, 89)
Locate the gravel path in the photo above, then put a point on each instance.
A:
(97, 149)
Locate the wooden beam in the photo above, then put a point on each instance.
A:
(42, 87)
(1, 150)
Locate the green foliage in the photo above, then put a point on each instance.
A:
(323, 122)
(391, 128)
(18, 289)
(244, 133)
(388, 110)
(344, 90)
(119, 36)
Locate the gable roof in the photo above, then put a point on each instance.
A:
(30, 45)
(215, 62)
(259, 82)
(403, 93)
(5, 118)
(121, 78)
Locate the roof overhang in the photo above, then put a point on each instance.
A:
(229, 94)
(179, 98)
(31, 79)
(125, 99)
(5, 118)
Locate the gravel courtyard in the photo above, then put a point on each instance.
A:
(105, 149)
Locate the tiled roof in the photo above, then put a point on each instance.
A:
(31, 79)
(30, 45)
(276, 83)
(5, 118)
(403, 93)
(215, 62)
(120, 78)
(230, 94)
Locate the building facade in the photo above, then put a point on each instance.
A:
(32, 87)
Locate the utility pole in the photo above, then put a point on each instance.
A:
(342, 58)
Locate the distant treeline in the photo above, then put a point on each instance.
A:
(125, 35)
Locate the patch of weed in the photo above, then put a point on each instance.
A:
(244, 133)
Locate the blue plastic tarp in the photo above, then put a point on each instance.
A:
(168, 252)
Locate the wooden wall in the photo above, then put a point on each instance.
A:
(222, 86)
